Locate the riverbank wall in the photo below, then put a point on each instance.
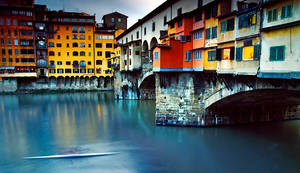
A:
(15, 85)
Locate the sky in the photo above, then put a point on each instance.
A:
(134, 9)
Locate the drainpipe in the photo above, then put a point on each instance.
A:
(260, 10)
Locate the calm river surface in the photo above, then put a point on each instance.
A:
(47, 124)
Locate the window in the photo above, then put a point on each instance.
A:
(99, 53)
(198, 17)
(15, 22)
(75, 53)
(239, 52)
(286, 11)
(68, 45)
(82, 45)
(89, 63)
(207, 33)
(179, 24)
(67, 37)
(58, 36)
(188, 56)
(90, 53)
(58, 53)
(145, 31)
(68, 62)
(98, 45)
(59, 63)
(75, 70)
(74, 37)
(98, 37)
(82, 70)
(119, 20)
(74, 20)
(68, 70)
(272, 15)
(277, 53)
(68, 53)
(82, 53)
(90, 70)
(10, 60)
(107, 54)
(211, 55)
(75, 44)
(2, 42)
(16, 51)
(1, 22)
(81, 20)
(15, 33)
(156, 55)
(81, 29)
(67, 28)
(214, 32)
(165, 20)
(153, 26)
(137, 52)
(104, 37)
(51, 53)
(137, 35)
(198, 55)
(131, 37)
(112, 20)
(3, 51)
(58, 44)
(50, 36)
(74, 29)
(9, 51)
(198, 35)
(98, 62)
(52, 70)
(4, 60)
(179, 11)
(227, 25)
(108, 45)
(9, 41)
(16, 42)
(67, 19)
(7, 21)
(81, 37)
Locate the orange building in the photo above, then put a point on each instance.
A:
(17, 41)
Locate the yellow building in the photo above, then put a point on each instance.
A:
(117, 51)
(70, 44)
(104, 49)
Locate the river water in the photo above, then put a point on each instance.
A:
(48, 124)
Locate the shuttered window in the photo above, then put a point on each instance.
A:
(272, 15)
(286, 11)
(207, 33)
(256, 52)
(239, 52)
(211, 55)
(277, 53)
(214, 32)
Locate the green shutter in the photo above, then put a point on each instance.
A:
(256, 52)
(215, 32)
(270, 14)
(283, 12)
(275, 14)
(232, 53)
(219, 54)
(281, 52)
(230, 24)
(272, 54)
(224, 26)
(239, 51)
(289, 10)
(207, 33)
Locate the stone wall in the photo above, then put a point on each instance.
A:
(11, 85)
(182, 99)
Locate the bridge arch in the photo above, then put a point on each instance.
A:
(153, 43)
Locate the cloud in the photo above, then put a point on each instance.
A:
(134, 9)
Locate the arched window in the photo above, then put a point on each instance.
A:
(75, 44)
(75, 53)
(82, 53)
(51, 53)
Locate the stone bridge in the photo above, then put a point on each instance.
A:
(204, 99)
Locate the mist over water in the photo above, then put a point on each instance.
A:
(48, 124)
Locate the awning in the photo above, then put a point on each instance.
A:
(7, 68)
